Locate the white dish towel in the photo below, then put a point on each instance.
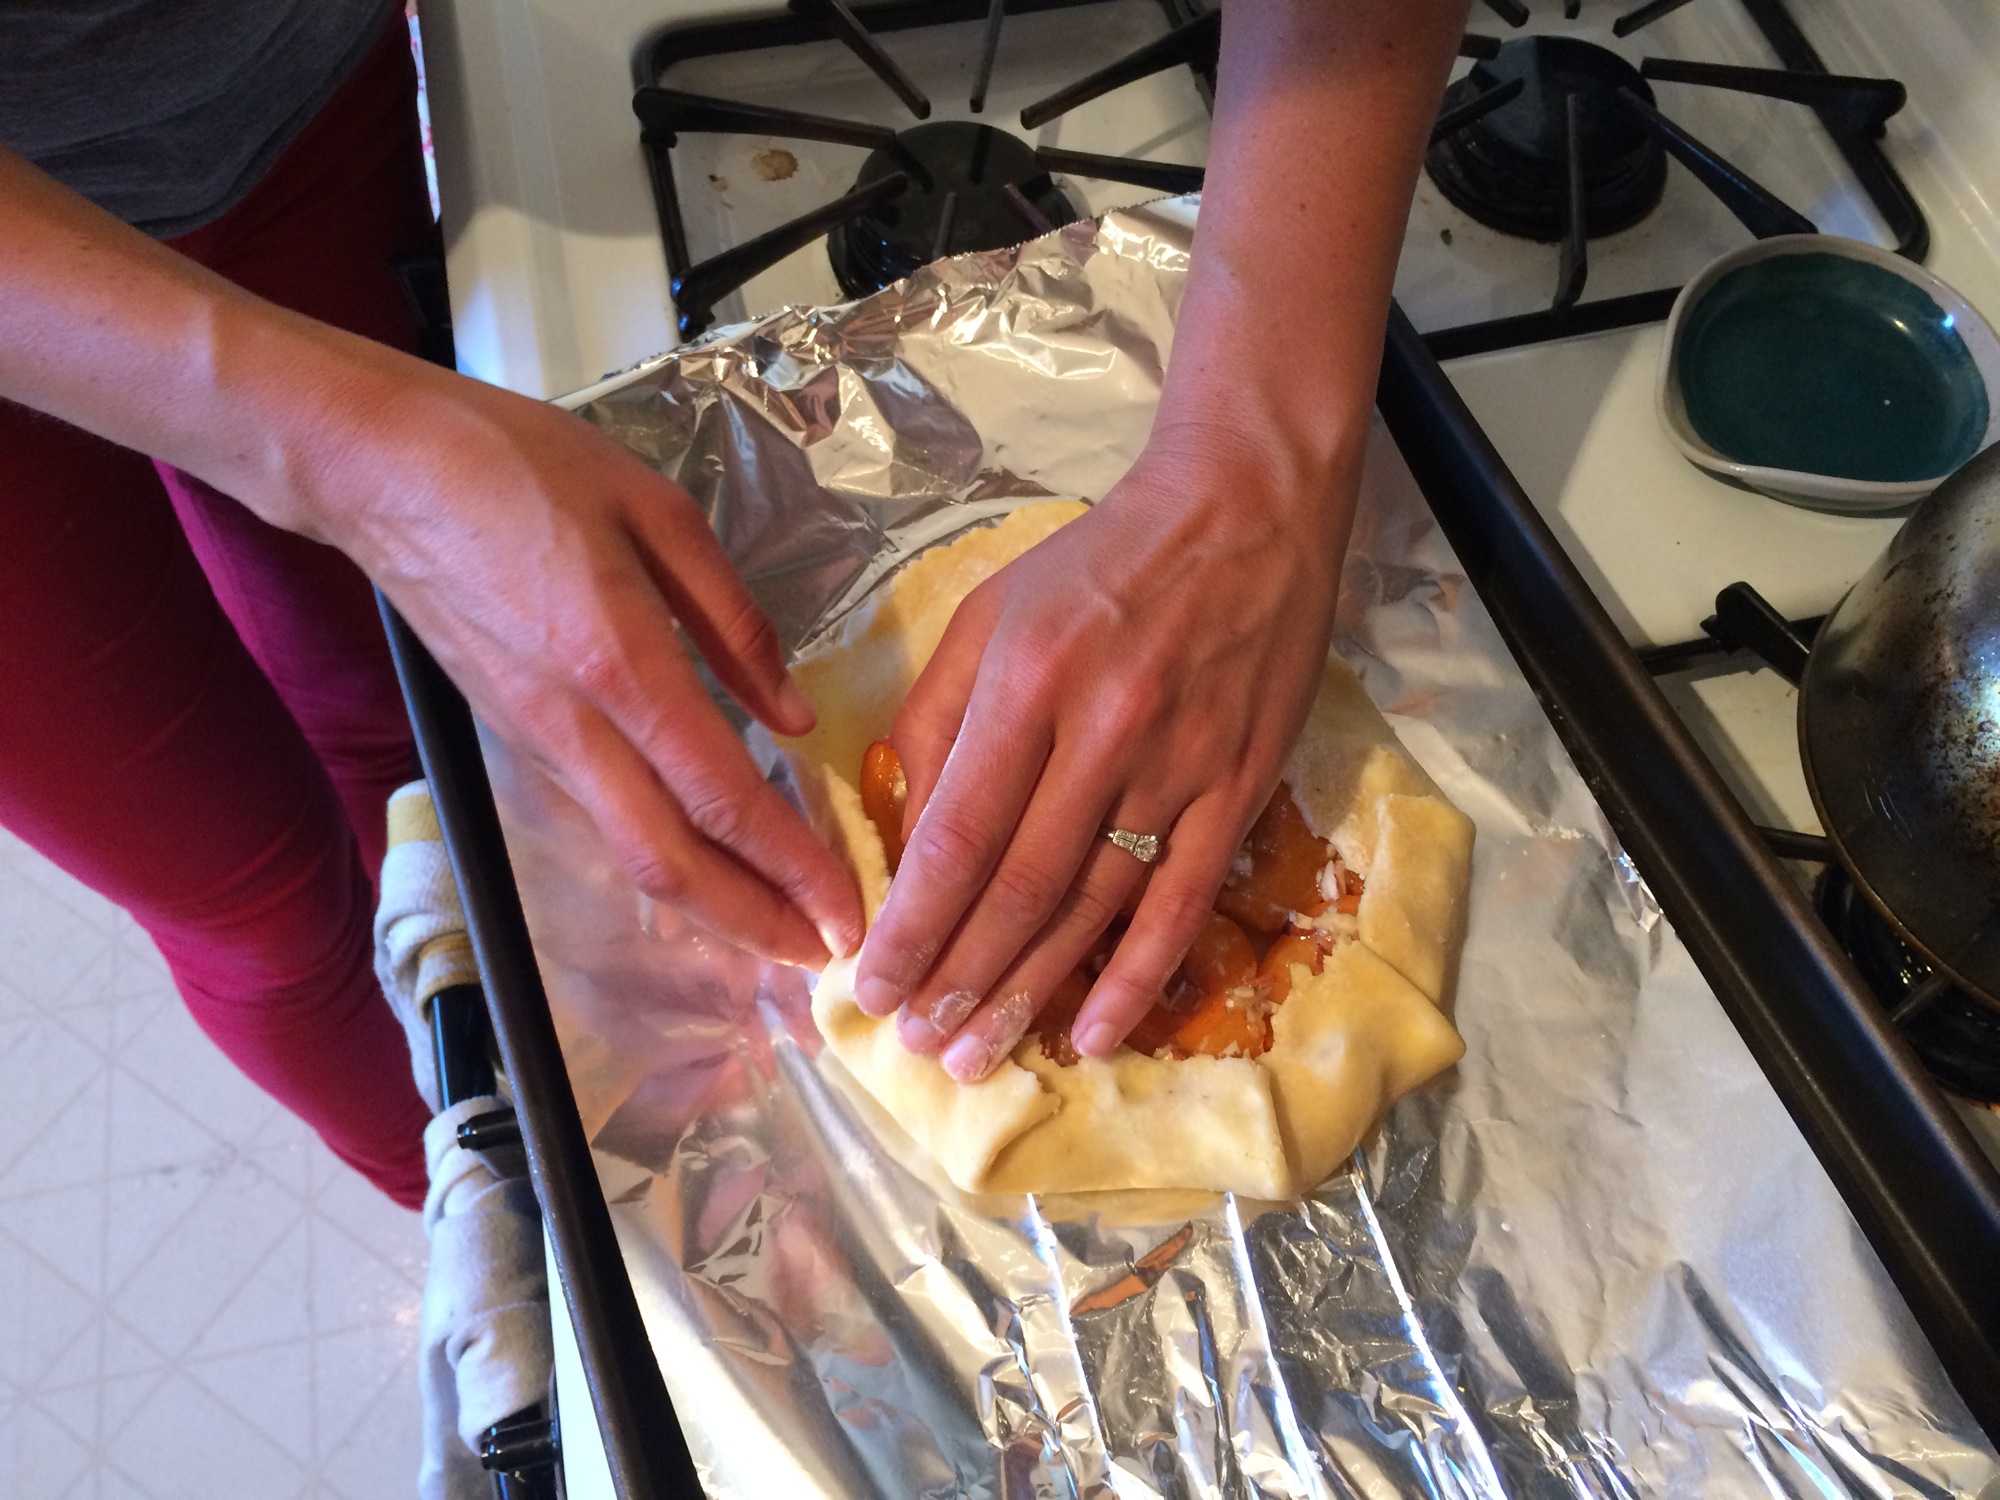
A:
(485, 1323)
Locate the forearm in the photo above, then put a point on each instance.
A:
(1322, 111)
(107, 330)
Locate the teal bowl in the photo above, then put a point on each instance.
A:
(1829, 373)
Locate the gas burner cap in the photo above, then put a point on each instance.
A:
(1957, 1035)
(1507, 168)
(971, 162)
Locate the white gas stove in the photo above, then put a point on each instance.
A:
(559, 272)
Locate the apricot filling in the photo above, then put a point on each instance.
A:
(1287, 899)
(884, 791)
(1276, 871)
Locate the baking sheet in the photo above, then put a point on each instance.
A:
(1595, 1259)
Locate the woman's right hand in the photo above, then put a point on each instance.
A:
(547, 568)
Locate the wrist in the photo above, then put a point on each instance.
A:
(1267, 410)
(255, 393)
(1239, 453)
(320, 412)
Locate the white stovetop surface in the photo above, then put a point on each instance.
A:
(1575, 420)
(558, 277)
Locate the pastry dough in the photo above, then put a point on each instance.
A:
(1346, 1043)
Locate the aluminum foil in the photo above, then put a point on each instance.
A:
(1595, 1259)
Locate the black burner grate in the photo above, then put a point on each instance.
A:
(1956, 1034)
(973, 188)
(1509, 167)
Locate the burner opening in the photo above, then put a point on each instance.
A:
(1957, 1035)
(961, 171)
(1507, 168)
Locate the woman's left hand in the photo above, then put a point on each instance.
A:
(1147, 668)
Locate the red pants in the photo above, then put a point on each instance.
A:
(198, 715)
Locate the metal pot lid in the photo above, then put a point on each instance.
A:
(1899, 723)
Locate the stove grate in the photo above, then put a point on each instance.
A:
(1196, 45)
(1508, 112)
(1954, 1032)
(869, 228)
(973, 188)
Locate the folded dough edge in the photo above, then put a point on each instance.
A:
(1347, 1042)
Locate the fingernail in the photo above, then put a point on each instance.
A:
(918, 1032)
(876, 997)
(796, 705)
(837, 942)
(969, 1058)
(926, 1033)
(1094, 1039)
(950, 1012)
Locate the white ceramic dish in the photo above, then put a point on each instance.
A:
(1800, 487)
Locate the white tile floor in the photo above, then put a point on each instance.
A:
(196, 1298)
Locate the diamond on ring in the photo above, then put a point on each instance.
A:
(1144, 847)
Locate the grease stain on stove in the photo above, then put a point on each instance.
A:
(774, 163)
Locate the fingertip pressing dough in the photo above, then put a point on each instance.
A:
(1346, 1043)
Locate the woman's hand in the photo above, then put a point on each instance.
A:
(1147, 667)
(548, 569)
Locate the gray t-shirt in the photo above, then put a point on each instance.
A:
(166, 112)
